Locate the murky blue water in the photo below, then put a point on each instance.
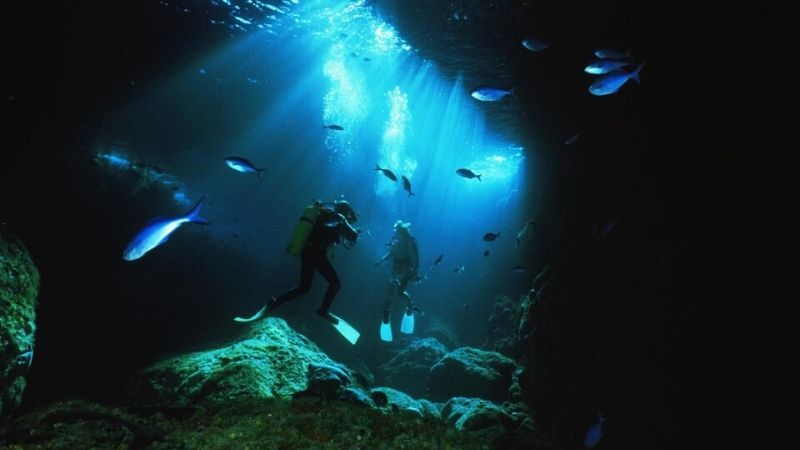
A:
(264, 94)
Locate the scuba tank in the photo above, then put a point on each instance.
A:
(303, 228)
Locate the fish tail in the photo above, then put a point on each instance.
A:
(194, 214)
(514, 91)
(478, 177)
(258, 172)
(635, 75)
(377, 167)
(410, 193)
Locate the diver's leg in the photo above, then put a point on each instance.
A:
(402, 293)
(329, 273)
(308, 263)
(387, 300)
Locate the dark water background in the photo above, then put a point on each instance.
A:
(690, 161)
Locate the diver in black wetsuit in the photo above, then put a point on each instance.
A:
(332, 226)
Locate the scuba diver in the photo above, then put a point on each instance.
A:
(322, 226)
(405, 263)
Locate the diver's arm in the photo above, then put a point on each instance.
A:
(383, 258)
(350, 233)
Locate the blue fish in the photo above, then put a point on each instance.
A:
(158, 231)
(595, 433)
(242, 165)
(603, 66)
(534, 45)
(610, 83)
(604, 53)
(490, 94)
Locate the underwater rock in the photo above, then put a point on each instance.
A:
(470, 372)
(430, 409)
(271, 360)
(362, 374)
(501, 335)
(355, 395)
(442, 332)
(472, 414)
(379, 398)
(19, 291)
(409, 369)
(325, 381)
(397, 401)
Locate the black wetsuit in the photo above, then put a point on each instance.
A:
(328, 229)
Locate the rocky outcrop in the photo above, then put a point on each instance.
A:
(442, 332)
(409, 369)
(501, 325)
(19, 290)
(272, 360)
(470, 372)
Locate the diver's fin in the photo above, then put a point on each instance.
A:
(386, 331)
(255, 317)
(407, 325)
(345, 329)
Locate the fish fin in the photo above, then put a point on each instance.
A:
(478, 177)
(635, 75)
(194, 214)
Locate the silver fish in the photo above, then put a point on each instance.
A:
(612, 82)
(490, 94)
(158, 231)
(603, 66)
(242, 165)
(534, 45)
(605, 53)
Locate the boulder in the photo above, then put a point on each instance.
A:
(409, 369)
(271, 360)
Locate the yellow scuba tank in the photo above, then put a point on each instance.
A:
(303, 229)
